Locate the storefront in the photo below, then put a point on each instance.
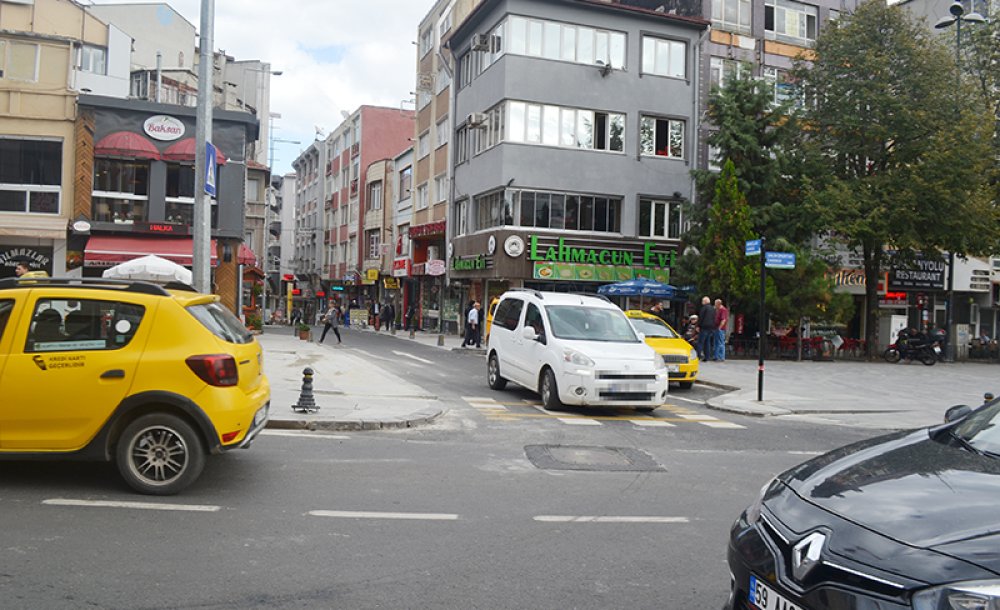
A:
(11, 254)
(429, 269)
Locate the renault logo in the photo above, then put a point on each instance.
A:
(805, 554)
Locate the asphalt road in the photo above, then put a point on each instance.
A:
(498, 504)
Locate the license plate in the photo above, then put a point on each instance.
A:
(765, 598)
(673, 368)
(937, 349)
(260, 415)
(626, 387)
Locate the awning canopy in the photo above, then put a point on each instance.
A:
(246, 256)
(183, 150)
(126, 144)
(110, 250)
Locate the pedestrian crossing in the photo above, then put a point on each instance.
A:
(666, 416)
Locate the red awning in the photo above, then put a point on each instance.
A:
(110, 250)
(126, 144)
(246, 256)
(183, 150)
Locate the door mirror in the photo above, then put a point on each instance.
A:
(642, 336)
(529, 333)
(956, 412)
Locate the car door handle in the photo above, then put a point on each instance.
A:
(113, 374)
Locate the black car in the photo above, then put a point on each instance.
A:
(909, 520)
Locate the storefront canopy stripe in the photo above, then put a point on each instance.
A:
(104, 250)
(184, 151)
(126, 144)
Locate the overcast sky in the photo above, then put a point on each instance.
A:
(334, 54)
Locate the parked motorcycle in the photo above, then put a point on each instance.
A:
(927, 353)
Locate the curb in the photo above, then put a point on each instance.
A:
(420, 417)
(717, 405)
(718, 386)
(469, 350)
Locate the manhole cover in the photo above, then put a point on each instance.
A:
(597, 459)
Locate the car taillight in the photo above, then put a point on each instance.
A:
(215, 369)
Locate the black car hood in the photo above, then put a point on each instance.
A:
(913, 489)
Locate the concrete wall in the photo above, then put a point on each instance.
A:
(155, 27)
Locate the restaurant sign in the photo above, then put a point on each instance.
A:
(648, 257)
(163, 127)
(475, 262)
(924, 274)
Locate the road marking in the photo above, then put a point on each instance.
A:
(350, 514)
(697, 402)
(303, 433)
(579, 421)
(804, 452)
(607, 519)
(652, 423)
(417, 358)
(471, 399)
(197, 508)
(722, 424)
(694, 416)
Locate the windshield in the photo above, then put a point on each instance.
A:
(653, 329)
(982, 429)
(590, 324)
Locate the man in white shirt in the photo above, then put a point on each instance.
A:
(472, 334)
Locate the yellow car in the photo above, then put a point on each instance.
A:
(681, 359)
(150, 378)
(489, 318)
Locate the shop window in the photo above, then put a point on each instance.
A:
(662, 137)
(30, 176)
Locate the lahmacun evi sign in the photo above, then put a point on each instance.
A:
(163, 127)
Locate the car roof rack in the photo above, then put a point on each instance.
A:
(531, 290)
(84, 282)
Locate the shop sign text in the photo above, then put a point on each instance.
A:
(563, 253)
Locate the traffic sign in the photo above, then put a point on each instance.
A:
(210, 168)
(753, 247)
(779, 260)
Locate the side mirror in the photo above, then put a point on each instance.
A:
(529, 333)
(642, 336)
(957, 412)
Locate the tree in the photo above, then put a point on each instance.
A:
(981, 64)
(725, 270)
(894, 160)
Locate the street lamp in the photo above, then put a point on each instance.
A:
(243, 90)
(958, 15)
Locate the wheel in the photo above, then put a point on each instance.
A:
(685, 385)
(928, 357)
(159, 454)
(493, 373)
(891, 355)
(550, 391)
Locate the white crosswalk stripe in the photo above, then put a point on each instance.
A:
(578, 421)
(722, 424)
(652, 423)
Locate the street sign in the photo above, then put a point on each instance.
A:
(753, 247)
(210, 169)
(779, 260)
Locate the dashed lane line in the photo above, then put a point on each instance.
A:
(195, 508)
(608, 519)
(417, 358)
(351, 514)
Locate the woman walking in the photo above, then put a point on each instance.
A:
(332, 320)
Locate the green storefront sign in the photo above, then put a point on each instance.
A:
(469, 263)
(563, 253)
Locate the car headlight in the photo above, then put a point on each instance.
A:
(969, 595)
(658, 362)
(694, 355)
(753, 511)
(574, 357)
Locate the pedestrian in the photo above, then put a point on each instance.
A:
(385, 315)
(408, 317)
(372, 319)
(471, 325)
(331, 320)
(296, 316)
(22, 265)
(706, 330)
(477, 331)
(721, 325)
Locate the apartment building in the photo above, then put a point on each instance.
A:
(50, 50)
(576, 132)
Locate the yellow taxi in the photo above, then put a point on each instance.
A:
(151, 378)
(489, 317)
(679, 356)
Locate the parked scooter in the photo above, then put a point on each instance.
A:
(911, 345)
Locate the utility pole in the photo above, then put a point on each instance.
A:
(202, 256)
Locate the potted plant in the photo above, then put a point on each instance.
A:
(304, 331)
(255, 323)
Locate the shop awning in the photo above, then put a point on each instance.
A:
(183, 150)
(126, 144)
(109, 250)
(246, 256)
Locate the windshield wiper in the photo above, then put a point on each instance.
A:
(966, 444)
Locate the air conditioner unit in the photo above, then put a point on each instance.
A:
(480, 42)
(476, 119)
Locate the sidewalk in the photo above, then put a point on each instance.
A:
(868, 394)
(352, 393)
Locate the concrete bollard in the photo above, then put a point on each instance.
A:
(440, 340)
(307, 402)
(413, 333)
(392, 329)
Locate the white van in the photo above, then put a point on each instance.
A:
(573, 349)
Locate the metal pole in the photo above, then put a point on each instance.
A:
(949, 344)
(761, 335)
(159, 76)
(202, 222)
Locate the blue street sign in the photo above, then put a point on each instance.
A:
(210, 169)
(779, 260)
(753, 247)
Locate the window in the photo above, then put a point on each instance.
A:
(372, 239)
(442, 132)
(253, 189)
(20, 62)
(441, 81)
(566, 127)
(782, 89)
(490, 131)
(121, 190)
(492, 210)
(426, 41)
(422, 197)
(462, 145)
(533, 318)
(6, 306)
(790, 21)
(663, 57)
(660, 218)
(723, 70)
(461, 216)
(508, 314)
(405, 182)
(180, 196)
(30, 176)
(93, 59)
(731, 15)
(423, 145)
(569, 211)
(441, 187)
(404, 240)
(81, 325)
(565, 42)
(444, 26)
(662, 137)
(375, 195)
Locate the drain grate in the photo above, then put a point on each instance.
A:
(591, 458)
